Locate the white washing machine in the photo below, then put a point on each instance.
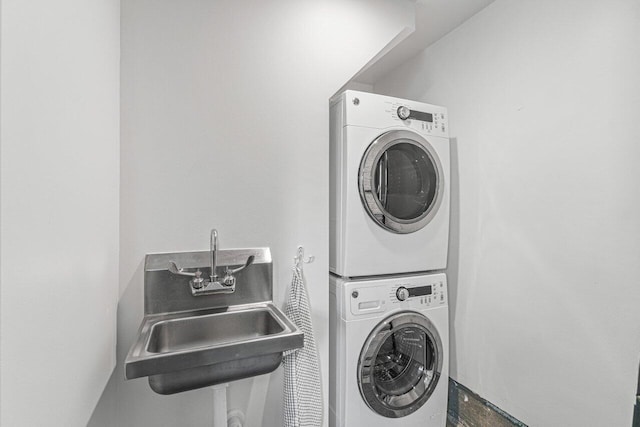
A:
(389, 351)
(389, 186)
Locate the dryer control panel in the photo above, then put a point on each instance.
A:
(382, 112)
(428, 121)
(381, 295)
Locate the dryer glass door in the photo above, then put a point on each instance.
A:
(401, 182)
(400, 365)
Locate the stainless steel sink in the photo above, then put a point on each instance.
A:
(237, 325)
(188, 349)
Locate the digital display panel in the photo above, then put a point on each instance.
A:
(419, 115)
(420, 291)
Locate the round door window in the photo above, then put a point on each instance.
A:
(400, 365)
(401, 181)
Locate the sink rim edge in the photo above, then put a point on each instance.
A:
(138, 359)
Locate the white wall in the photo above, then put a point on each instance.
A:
(59, 105)
(225, 124)
(543, 99)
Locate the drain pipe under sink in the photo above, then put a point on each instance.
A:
(222, 418)
(235, 418)
(220, 405)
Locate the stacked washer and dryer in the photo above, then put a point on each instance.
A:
(389, 232)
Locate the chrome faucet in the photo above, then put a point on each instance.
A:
(201, 286)
(213, 244)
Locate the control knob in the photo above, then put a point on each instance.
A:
(402, 293)
(404, 112)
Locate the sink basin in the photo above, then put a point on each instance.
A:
(187, 350)
(212, 329)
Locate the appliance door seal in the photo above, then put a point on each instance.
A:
(400, 364)
(401, 181)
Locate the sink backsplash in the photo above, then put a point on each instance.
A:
(166, 292)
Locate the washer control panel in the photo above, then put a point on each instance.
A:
(427, 295)
(412, 292)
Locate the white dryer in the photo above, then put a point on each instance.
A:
(389, 186)
(389, 351)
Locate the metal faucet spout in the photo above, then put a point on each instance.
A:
(214, 254)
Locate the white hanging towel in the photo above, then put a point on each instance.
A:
(302, 386)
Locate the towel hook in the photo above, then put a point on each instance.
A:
(299, 258)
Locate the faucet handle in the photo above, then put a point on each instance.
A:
(246, 264)
(229, 279)
(180, 271)
(196, 283)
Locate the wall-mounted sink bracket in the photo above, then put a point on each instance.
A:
(225, 330)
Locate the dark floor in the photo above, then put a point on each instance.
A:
(467, 409)
(480, 420)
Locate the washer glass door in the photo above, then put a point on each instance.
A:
(400, 181)
(400, 365)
